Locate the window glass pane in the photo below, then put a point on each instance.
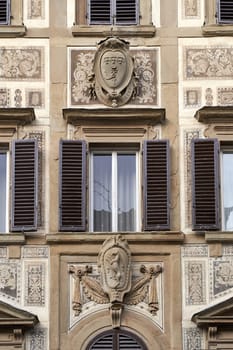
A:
(228, 191)
(126, 186)
(102, 197)
(3, 168)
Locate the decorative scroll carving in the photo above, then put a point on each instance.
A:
(115, 285)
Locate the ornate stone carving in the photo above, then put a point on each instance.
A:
(209, 97)
(35, 284)
(10, 275)
(35, 252)
(144, 72)
(21, 63)
(192, 339)
(208, 63)
(195, 250)
(191, 8)
(35, 9)
(225, 96)
(113, 72)
(192, 97)
(195, 282)
(18, 98)
(221, 277)
(115, 285)
(35, 98)
(37, 339)
(4, 97)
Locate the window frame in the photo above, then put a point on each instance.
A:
(113, 152)
(8, 13)
(212, 26)
(224, 149)
(4, 149)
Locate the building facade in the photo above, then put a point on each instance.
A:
(116, 131)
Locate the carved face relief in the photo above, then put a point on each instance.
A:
(113, 68)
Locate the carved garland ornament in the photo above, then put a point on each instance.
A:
(115, 286)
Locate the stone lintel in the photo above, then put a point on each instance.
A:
(147, 31)
(12, 31)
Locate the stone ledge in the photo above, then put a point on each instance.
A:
(16, 116)
(12, 239)
(11, 31)
(147, 31)
(217, 30)
(78, 115)
(96, 238)
(215, 114)
(219, 236)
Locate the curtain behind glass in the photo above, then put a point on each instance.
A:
(3, 192)
(102, 177)
(126, 190)
(228, 190)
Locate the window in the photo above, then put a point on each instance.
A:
(3, 189)
(212, 209)
(4, 12)
(24, 168)
(119, 12)
(115, 196)
(114, 191)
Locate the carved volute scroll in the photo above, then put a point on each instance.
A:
(113, 72)
(115, 285)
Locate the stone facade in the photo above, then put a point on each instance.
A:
(64, 79)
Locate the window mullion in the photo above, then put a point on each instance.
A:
(114, 192)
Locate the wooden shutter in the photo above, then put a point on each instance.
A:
(4, 11)
(100, 11)
(156, 185)
(205, 184)
(126, 12)
(24, 185)
(72, 185)
(117, 340)
(225, 11)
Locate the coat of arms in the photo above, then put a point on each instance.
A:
(113, 71)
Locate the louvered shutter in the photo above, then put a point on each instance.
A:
(225, 11)
(72, 185)
(126, 12)
(105, 343)
(205, 184)
(116, 340)
(156, 185)
(4, 12)
(100, 11)
(126, 343)
(24, 185)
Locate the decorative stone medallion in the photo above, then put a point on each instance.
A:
(113, 70)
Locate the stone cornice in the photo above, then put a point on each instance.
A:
(215, 114)
(76, 116)
(16, 116)
(12, 31)
(217, 30)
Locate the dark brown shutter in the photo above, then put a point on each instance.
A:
(126, 12)
(4, 11)
(72, 185)
(100, 11)
(156, 185)
(205, 184)
(24, 185)
(225, 11)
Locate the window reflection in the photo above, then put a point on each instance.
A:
(3, 192)
(228, 191)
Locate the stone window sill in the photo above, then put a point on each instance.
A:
(12, 31)
(217, 30)
(123, 31)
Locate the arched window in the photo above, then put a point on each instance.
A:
(116, 340)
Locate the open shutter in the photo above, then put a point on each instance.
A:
(100, 11)
(24, 185)
(156, 185)
(205, 184)
(126, 12)
(4, 12)
(72, 185)
(225, 11)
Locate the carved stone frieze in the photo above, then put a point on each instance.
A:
(192, 339)
(195, 282)
(221, 276)
(208, 63)
(21, 63)
(4, 97)
(10, 279)
(34, 284)
(191, 8)
(115, 284)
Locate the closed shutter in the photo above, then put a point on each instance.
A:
(100, 11)
(4, 11)
(24, 185)
(205, 184)
(156, 185)
(225, 11)
(117, 340)
(72, 185)
(126, 12)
